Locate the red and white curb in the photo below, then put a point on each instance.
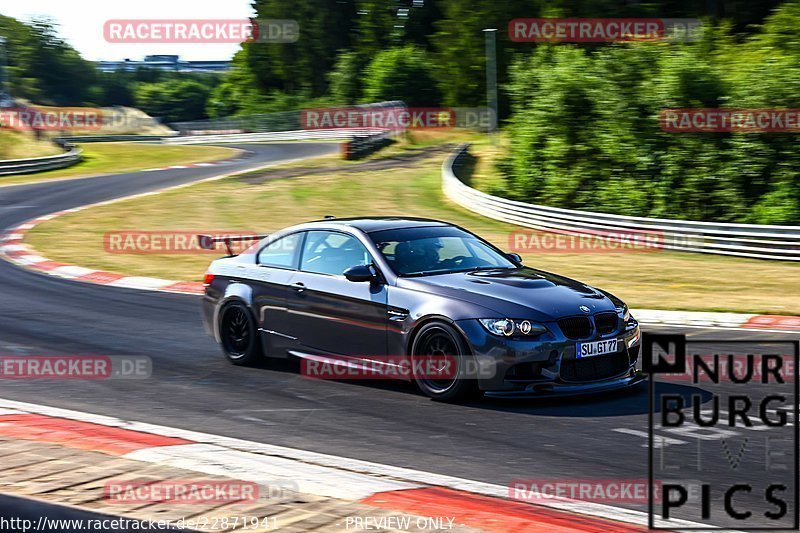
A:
(15, 250)
(481, 505)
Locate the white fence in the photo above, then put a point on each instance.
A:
(742, 240)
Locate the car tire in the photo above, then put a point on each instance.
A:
(440, 338)
(239, 335)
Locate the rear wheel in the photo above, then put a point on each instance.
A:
(239, 335)
(435, 345)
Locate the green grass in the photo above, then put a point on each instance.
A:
(660, 280)
(18, 145)
(113, 158)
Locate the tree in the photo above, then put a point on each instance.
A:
(401, 74)
(173, 101)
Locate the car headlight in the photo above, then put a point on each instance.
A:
(624, 312)
(506, 327)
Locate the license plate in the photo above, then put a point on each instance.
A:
(591, 349)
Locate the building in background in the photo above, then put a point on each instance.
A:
(164, 62)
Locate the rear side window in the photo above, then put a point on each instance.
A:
(329, 252)
(281, 253)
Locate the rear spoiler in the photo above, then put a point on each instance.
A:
(208, 242)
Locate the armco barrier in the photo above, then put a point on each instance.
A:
(112, 138)
(38, 164)
(363, 138)
(741, 240)
(298, 135)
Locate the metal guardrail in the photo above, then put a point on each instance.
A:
(111, 138)
(297, 135)
(22, 166)
(39, 164)
(741, 240)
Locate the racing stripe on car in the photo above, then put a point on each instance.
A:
(491, 514)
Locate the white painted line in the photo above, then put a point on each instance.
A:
(655, 316)
(138, 282)
(14, 248)
(660, 441)
(199, 456)
(265, 469)
(30, 259)
(72, 271)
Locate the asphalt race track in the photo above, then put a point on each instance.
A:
(193, 387)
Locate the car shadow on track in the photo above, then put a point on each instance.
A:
(632, 401)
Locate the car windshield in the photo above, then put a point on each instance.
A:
(436, 250)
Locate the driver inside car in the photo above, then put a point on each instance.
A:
(417, 255)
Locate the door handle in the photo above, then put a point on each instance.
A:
(299, 286)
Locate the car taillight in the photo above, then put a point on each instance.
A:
(207, 279)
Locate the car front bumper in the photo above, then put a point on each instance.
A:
(547, 365)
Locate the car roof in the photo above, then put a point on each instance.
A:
(370, 224)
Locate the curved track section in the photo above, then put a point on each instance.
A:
(193, 387)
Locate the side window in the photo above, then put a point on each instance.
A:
(328, 252)
(281, 253)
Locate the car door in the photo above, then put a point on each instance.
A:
(328, 313)
(274, 268)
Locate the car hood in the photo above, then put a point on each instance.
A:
(518, 293)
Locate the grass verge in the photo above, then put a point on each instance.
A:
(660, 280)
(18, 145)
(108, 158)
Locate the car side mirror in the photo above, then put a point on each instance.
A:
(359, 273)
(514, 257)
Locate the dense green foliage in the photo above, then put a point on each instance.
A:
(401, 74)
(585, 129)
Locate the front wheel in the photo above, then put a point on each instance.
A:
(239, 335)
(439, 344)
